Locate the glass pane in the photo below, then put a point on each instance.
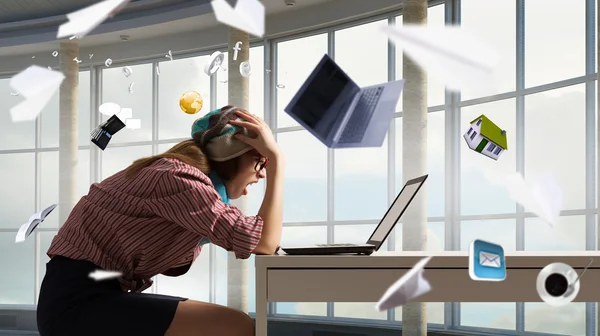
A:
(494, 23)
(360, 178)
(16, 263)
(45, 241)
(19, 135)
(501, 315)
(567, 235)
(176, 77)
(49, 180)
(372, 51)
(115, 89)
(498, 231)
(296, 59)
(550, 138)
(435, 237)
(18, 174)
(118, 158)
(482, 178)
(221, 280)
(305, 177)
(195, 284)
(50, 127)
(360, 310)
(565, 320)
(222, 85)
(257, 81)
(554, 39)
(436, 152)
(302, 236)
(435, 312)
(436, 94)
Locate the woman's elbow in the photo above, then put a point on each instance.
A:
(265, 250)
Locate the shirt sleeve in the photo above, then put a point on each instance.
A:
(185, 198)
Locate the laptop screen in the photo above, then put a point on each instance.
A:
(396, 210)
(319, 95)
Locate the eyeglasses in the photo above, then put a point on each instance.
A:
(261, 164)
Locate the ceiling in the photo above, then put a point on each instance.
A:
(18, 17)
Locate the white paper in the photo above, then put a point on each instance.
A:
(100, 275)
(489, 259)
(544, 199)
(133, 123)
(126, 113)
(449, 53)
(109, 109)
(37, 85)
(412, 285)
(83, 21)
(34, 221)
(248, 15)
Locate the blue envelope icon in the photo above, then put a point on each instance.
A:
(486, 261)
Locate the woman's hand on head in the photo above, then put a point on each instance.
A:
(264, 142)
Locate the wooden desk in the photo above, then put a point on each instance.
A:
(352, 278)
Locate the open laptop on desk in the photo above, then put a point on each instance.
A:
(389, 220)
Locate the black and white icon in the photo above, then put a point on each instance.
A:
(214, 63)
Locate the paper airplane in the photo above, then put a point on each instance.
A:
(100, 275)
(544, 199)
(133, 123)
(408, 287)
(109, 109)
(83, 21)
(449, 53)
(126, 113)
(248, 15)
(37, 85)
(34, 221)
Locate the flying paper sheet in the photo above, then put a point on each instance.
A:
(448, 53)
(37, 85)
(248, 15)
(83, 21)
(408, 287)
(34, 221)
(544, 199)
(100, 275)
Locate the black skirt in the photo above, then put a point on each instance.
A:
(73, 304)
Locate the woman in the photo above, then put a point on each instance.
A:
(153, 218)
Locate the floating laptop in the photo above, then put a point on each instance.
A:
(396, 210)
(340, 113)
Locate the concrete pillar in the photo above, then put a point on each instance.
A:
(414, 162)
(68, 130)
(238, 86)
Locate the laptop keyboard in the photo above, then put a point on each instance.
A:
(363, 111)
(335, 245)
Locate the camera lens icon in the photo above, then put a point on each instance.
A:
(557, 284)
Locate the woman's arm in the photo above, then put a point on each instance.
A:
(271, 210)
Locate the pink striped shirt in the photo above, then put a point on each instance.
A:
(151, 224)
